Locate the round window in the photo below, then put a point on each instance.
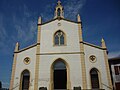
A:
(59, 24)
(92, 58)
(27, 60)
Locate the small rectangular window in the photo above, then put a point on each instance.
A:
(116, 68)
(119, 70)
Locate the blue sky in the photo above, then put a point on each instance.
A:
(18, 23)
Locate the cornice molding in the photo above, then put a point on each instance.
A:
(28, 47)
(59, 18)
(92, 45)
(56, 53)
(114, 58)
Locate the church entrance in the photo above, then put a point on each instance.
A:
(25, 78)
(60, 75)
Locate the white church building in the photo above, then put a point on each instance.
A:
(60, 59)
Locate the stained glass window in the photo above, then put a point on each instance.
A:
(59, 38)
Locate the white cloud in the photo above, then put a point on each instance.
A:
(2, 29)
(5, 84)
(73, 7)
(25, 27)
(23, 30)
(32, 31)
(3, 36)
(2, 33)
(113, 54)
(27, 32)
(26, 11)
(48, 12)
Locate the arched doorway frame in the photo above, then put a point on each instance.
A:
(21, 78)
(99, 77)
(51, 87)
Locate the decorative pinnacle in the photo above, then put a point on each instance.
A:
(59, 2)
(78, 17)
(39, 20)
(103, 43)
(16, 47)
(102, 40)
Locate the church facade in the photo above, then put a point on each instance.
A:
(60, 59)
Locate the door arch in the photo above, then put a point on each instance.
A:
(95, 82)
(25, 79)
(60, 75)
(60, 66)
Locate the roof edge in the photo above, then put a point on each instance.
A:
(114, 58)
(89, 44)
(26, 48)
(59, 18)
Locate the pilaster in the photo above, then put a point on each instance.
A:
(106, 64)
(14, 66)
(37, 56)
(107, 70)
(82, 54)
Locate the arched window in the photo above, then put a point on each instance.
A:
(94, 78)
(59, 38)
(25, 78)
(58, 12)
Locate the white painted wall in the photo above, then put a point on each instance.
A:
(75, 68)
(46, 58)
(99, 64)
(116, 78)
(72, 38)
(20, 66)
(72, 46)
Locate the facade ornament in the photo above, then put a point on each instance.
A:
(59, 10)
(78, 18)
(103, 44)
